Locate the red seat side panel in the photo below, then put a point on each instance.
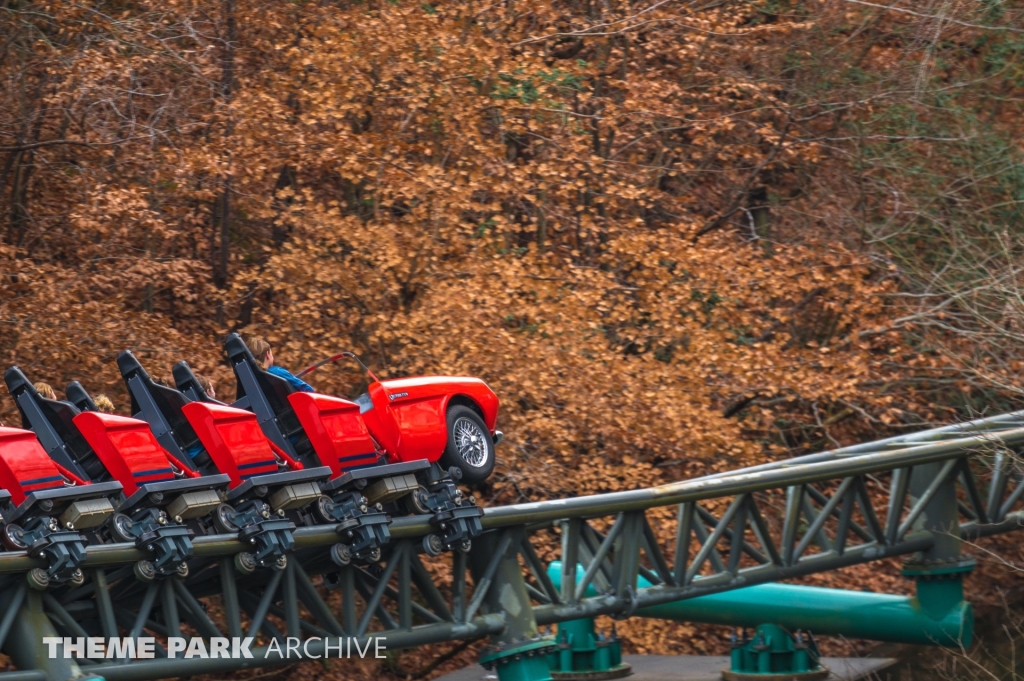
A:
(336, 430)
(25, 467)
(127, 448)
(233, 439)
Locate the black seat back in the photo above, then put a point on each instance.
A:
(160, 407)
(52, 422)
(189, 384)
(79, 396)
(266, 395)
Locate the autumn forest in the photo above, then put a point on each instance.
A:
(674, 236)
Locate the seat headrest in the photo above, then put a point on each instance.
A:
(19, 385)
(236, 349)
(186, 382)
(17, 380)
(128, 364)
(51, 420)
(79, 396)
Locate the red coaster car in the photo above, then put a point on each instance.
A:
(159, 500)
(405, 443)
(449, 420)
(44, 506)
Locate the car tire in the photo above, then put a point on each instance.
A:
(470, 447)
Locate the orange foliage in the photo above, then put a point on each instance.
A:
(558, 197)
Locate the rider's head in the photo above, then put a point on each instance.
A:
(207, 386)
(104, 404)
(260, 349)
(45, 391)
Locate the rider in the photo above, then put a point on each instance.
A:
(207, 386)
(45, 391)
(104, 404)
(260, 349)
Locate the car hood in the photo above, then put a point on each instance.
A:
(438, 381)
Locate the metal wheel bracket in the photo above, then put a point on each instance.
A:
(63, 550)
(270, 538)
(361, 525)
(170, 542)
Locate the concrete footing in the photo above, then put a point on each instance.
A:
(701, 668)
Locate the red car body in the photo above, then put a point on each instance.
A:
(409, 415)
(405, 417)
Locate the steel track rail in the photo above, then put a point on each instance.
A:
(747, 480)
(981, 426)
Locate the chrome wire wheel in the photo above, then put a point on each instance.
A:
(470, 450)
(470, 441)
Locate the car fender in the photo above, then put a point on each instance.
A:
(485, 400)
(419, 408)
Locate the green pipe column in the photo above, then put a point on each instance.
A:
(583, 654)
(519, 652)
(940, 586)
(921, 620)
(773, 654)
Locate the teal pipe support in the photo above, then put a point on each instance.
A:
(827, 612)
(582, 653)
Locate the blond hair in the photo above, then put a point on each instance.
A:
(104, 404)
(204, 382)
(259, 348)
(46, 391)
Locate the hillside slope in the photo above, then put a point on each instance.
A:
(675, 237)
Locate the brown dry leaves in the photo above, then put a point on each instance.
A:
(447, 188)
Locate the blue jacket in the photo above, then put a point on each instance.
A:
(296, 383)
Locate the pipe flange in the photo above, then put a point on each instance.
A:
(950, 567)
(813, 675)
(502, 654)
(617, 672)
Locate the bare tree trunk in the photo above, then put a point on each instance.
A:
(279, 230)
(23, 166)
(226, 87)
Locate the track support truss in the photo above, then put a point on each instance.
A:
(919, 498)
